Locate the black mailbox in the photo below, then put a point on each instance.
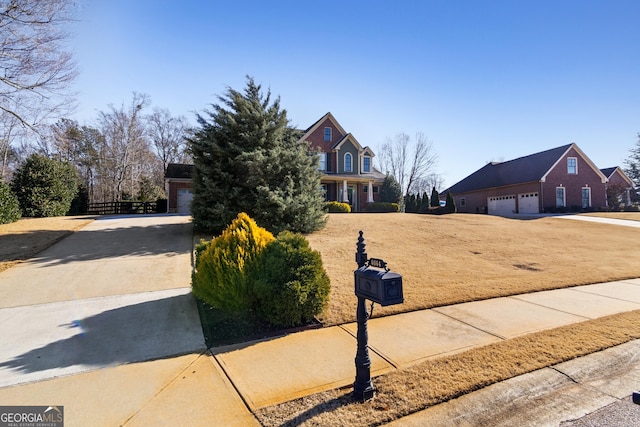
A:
(379, 285)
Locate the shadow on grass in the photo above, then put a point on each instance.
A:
(221, 328)
(320, 408)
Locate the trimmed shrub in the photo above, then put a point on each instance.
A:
(290, 284)
(338, 207)
(383, 207)
(45, 187)
(9, 205)
(219, 278)
(451, 204)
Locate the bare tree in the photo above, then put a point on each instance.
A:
(408, 162)
(168, 135)
(35, 70)
(123, 154)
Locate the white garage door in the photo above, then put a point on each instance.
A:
(528, 203)
(184, 200)
(502, 205)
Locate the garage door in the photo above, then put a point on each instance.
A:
(528, 203)
(502, 205)
(184, 200)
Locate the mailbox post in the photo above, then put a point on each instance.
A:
(374, 281)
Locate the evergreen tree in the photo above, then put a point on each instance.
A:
(390, 192)
(633, 164)
(248, 159)
(435, 198)
(451, 204)
(424, 205)
(45, 187)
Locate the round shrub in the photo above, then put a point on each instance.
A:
(290, 284)
(338, 207)
(383, 207)
(9, 205)
(219, 278)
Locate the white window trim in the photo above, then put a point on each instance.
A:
(366, 157)
(320, 166)
(564, 197)
(344, 164)
(586, 188)
(576, 160)
(324, 135)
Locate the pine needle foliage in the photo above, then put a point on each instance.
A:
(248, 159)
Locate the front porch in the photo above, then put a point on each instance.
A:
(356, 193)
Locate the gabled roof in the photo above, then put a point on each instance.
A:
(179, 171)
(608, 172)
(531, 168)
(317, 124)
(344, 139)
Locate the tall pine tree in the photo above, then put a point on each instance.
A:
(248, 159)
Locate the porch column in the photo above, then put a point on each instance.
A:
(345, 195)
(370, 192)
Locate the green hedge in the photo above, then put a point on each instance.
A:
(290, 284)
(383, 207)
(338, 207)
(245, 269)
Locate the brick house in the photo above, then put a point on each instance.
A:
(177, 182)
(560, 179)
(347, 168)
(616, 176)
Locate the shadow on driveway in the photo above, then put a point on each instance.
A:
(133, 333)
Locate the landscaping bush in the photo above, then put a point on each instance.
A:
(383, 207)
(338, 207)
(45, 187)
(290, 284)
(219, 278)
(9, 205)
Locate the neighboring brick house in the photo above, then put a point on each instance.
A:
(177, 181)
(616, 176)
(347, 168)
(560, 179)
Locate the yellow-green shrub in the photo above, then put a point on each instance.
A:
(338, 207)
(219, 278)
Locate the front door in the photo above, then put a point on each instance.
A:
(352, 195)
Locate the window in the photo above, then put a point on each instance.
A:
(323, 191)
(572, 165)
(375, 190)
(323, 161)
(327, 134)
(586, 197)
(560, 197)
(463, 202)
(366, 164)
(347, 162)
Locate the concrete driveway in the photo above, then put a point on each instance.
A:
(115, 292)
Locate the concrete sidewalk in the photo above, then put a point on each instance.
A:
(114, 336)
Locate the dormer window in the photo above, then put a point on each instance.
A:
(347, 162)
(327, 134)
(366, 164)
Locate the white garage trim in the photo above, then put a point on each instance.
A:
(528, 203)
(502, 205)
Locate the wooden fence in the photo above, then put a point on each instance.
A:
(122, 208)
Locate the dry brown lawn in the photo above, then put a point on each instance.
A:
(435, 381)
(23, 239)
(457, 258)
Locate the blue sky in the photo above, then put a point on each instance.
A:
(483, 80)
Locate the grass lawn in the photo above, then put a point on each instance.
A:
(23, 239)
(458, 258)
